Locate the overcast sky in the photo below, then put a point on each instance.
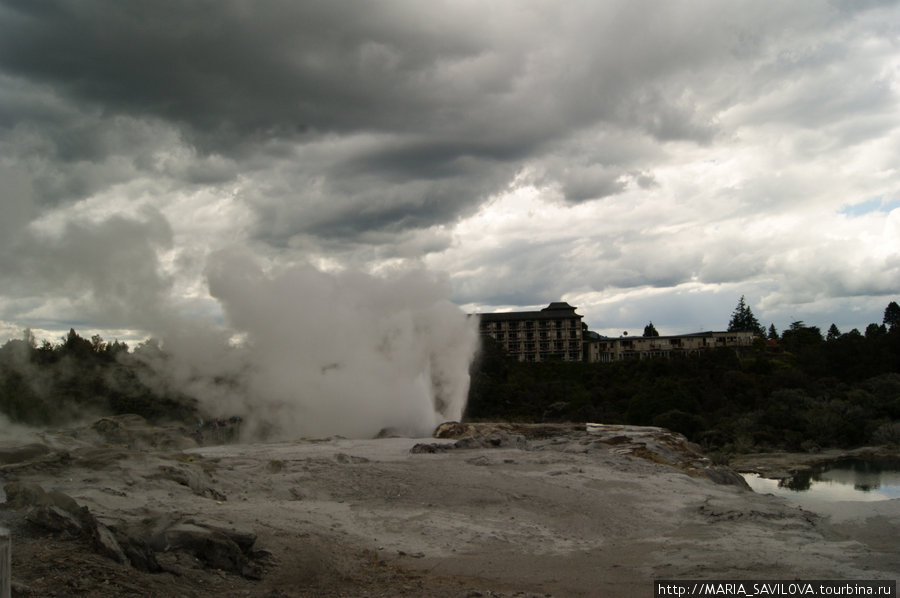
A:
(640, 160)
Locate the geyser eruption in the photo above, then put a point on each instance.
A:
(315, 353)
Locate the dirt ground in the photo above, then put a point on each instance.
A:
(508, 511)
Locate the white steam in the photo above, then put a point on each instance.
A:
(325, 354)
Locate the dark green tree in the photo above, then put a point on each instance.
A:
(892, 315)
(874, 330)
(650, 330)
(799, 335)
(743, 320)
(75, 346)
(98, 344)
(116, 347)
(773, 334)
(833, 333)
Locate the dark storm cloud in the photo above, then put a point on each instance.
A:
(464, 93)
(350, 193)
(430, 159)
(230, 71)
(236, 80)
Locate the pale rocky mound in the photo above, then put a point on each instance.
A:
(480, 510)
(651, 443)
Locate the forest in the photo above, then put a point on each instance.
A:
(75, 379)
(802, 390)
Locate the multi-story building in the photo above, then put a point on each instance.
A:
(556, 332)
(603, 349)
(551, 333)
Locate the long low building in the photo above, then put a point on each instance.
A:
(556, 333)
(553, 333)
(604, 349)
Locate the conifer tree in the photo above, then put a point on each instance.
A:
(892, 315)
(650, 330)
(743, 320)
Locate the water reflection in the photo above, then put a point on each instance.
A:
(840, 480)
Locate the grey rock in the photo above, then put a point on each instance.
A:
(104, 542)
(454, 430)
(430, 448)
(496, 439)
(194, 478)
(55, 519)
(346, 459)
(244, 539)
(17, 454)
(21, 495)
(476, 440)
(213, 548)
(139, 553)
(726, 476)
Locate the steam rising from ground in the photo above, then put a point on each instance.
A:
(309, 353)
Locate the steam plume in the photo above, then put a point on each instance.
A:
(325, 354)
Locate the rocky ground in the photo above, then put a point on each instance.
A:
(119, 508)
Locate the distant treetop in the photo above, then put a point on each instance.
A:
(892, 315)
(743, 320)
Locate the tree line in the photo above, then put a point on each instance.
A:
(804, 391)
(77, 378)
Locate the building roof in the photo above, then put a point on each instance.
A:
(707, 334)
(557, 309)
(559, 305)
